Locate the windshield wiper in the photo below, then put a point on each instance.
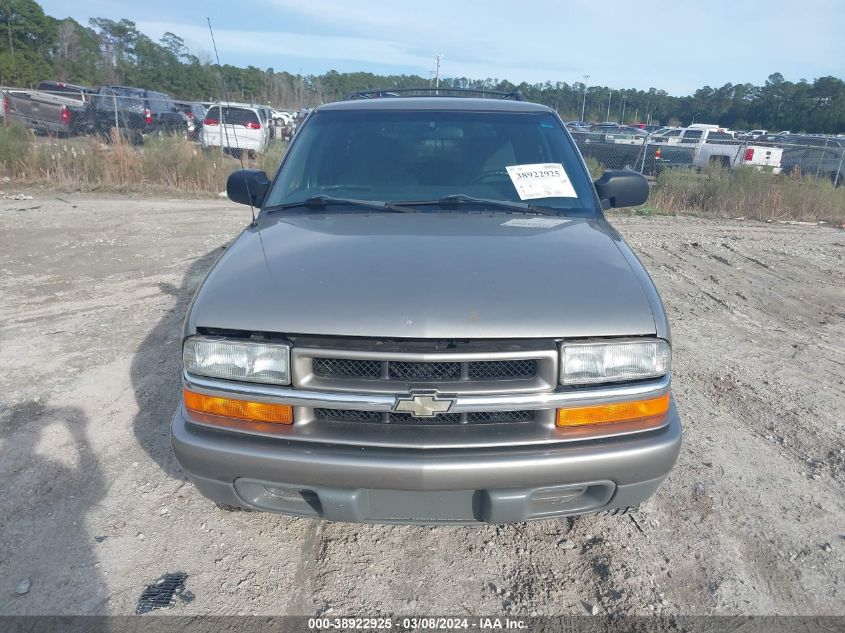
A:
(321, 202)
(460, 199)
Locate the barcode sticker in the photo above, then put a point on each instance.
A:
(541, 180)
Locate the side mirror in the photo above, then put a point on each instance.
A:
(621, 188)
(248, 186)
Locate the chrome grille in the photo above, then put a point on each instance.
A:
(346, 368)
(377, 417)
(349, 415)
(402, 370)
(498, 369)
(414, 371)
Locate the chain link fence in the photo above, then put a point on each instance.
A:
(62, 110)
(816, 157)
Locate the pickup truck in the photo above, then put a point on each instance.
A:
(136, 113)
(820, 157)
(716, 147)
(638, 152)
(51, 108)
(430, 320)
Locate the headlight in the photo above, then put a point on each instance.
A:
(237, 360)
(592, 363)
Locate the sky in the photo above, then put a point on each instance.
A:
(674, 45)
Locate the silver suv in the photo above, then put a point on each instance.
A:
(430, 321)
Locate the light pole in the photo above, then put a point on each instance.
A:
(624, 99)
(693, 117)
(609, 96)
(584, 102)
(437, 59)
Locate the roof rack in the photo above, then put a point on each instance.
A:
(514, 95)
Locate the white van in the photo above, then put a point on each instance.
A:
(235, 128)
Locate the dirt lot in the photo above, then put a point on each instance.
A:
(93, 506)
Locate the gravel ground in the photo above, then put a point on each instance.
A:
(93, 506)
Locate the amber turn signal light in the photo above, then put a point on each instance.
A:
(238, 409)
(614, 412)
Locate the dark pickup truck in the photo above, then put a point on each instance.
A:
(634, 152)
(52, 107)
(135, 112)
(821, 157)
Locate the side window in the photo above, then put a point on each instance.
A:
(105, 99)
(673, 133)
(159, 103)
(692, 136)
(213, 114)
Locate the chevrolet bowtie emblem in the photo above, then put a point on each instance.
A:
(423, 405)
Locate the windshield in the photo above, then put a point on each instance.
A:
(399, 156)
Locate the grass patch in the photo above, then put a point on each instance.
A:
(167, 163)
(595, 168)
(748, 193)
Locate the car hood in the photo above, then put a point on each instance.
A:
(425, 275)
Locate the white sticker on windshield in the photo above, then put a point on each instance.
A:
(541, 180)
(534, 223)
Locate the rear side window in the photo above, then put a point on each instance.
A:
(232, 116)
(692, 136)
(719, 136)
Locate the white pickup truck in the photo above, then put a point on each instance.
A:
(718, 147)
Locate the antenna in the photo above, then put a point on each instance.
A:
(223, 123)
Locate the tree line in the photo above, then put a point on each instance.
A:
(37, 46)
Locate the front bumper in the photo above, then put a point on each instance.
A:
(375, 484)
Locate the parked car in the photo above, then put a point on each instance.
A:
(429, 321)
(53, 107)
(196, 115)
(136, 113)
(282, 117)
(712, 146)
(753, 135)
(267, 119)
(717, 147)
(632, 151)
(235, 128)
(821, 157)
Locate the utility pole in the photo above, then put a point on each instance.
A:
(624, 99)
(437, 58)
(609, 95)
(584, 102)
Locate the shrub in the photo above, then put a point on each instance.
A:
(748, 193)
